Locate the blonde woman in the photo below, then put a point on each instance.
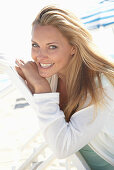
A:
(72, 86)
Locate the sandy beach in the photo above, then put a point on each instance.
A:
(17, 124)
(19, 132)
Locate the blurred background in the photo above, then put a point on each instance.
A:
(16, 17)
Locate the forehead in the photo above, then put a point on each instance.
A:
(47, 32)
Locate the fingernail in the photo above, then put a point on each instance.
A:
(16, 61)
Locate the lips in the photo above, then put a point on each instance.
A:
(46, 65)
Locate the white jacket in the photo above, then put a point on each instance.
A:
(67, 138)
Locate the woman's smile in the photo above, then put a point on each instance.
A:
(45, 66)
(50, 50)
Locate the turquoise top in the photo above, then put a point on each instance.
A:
(94, 161)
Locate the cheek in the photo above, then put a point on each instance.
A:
(66, 56)
(62, 57)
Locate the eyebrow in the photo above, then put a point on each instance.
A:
(54, 42)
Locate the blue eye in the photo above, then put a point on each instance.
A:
(34, 45)
(52, 46)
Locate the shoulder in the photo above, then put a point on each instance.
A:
(107, 106)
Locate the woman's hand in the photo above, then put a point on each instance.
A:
(29, 72)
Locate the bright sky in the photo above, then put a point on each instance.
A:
(16, 17)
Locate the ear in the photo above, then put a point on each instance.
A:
(73, 50)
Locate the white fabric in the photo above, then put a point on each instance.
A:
(67, 138)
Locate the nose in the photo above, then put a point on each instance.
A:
(40, 55)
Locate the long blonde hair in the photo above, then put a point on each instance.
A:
(86, 66)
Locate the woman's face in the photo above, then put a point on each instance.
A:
(50, 50)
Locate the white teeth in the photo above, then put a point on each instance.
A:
(45, 65)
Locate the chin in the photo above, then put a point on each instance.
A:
(46, 75)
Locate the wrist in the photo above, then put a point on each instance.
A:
(39, 90)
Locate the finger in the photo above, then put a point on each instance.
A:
(22, 61)
(20, 72)
(19, 63)
(34, 65)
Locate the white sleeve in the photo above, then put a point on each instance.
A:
(62, 137)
